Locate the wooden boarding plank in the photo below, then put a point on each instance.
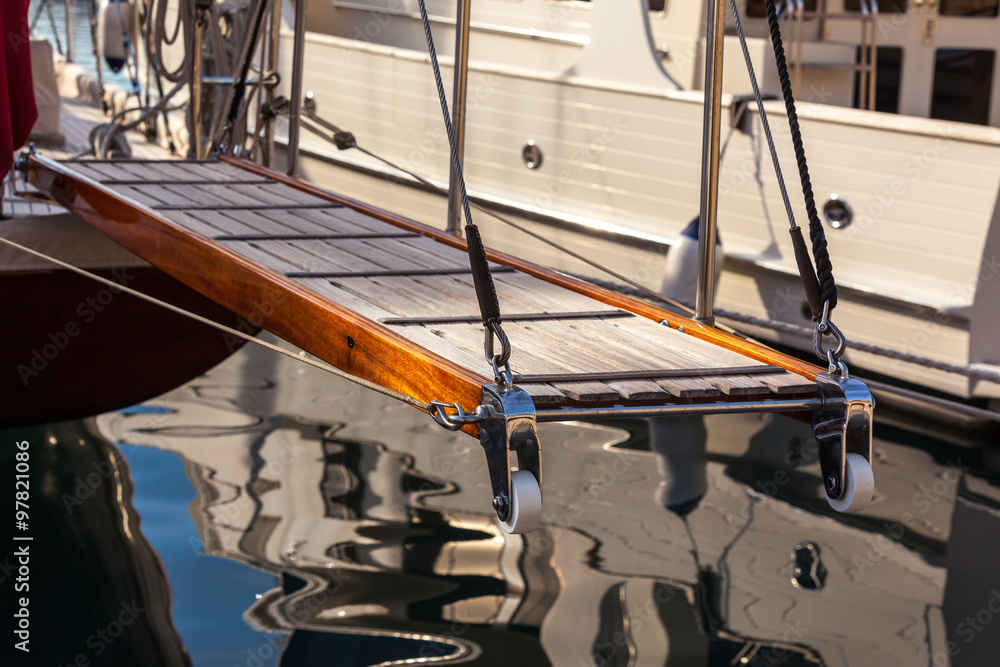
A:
(388, 291)
(545, 395)
(596, 355)
(113, 171)
(418, 335)
(739, 385)
(224, 223)
(787, 383)
(690, 388)
(91, 171)
(254, 252)
(215, 194)
(327, 219)
(159, 172)
(510, 286)
(214, 169)
(583, 392)
(194, 224)
(303, 253)
(155, 190)
(275, 194)
(709, 354)
(295, 221)
(137, 195)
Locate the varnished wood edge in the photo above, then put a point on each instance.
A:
(182, 253)
(692, 328)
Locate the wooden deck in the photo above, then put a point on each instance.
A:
(311, 266)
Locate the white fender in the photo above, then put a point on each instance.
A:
(680, 272)
(114, 21)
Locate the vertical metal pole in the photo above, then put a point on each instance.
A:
(194, 83)
(458, 98)
(92, 17)
(69, 31)
(710, 163)
(272, 69)
(295, 103)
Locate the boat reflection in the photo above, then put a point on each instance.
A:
(715, 550)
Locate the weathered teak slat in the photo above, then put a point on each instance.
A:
(393, 301)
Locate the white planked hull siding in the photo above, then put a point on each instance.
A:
(627, 159)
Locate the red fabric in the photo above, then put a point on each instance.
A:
(17, 96)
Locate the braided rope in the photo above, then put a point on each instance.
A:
(821, 255)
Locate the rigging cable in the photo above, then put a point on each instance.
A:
(486, 293)
(410, 400)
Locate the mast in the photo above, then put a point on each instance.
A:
(714, 39)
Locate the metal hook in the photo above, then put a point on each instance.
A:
(827, 328)
(461, 418)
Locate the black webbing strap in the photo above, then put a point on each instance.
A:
(486, 291)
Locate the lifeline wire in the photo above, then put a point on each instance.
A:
(642, 288)
(426, 407)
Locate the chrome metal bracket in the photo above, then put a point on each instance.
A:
(509, 426)
(842, 426)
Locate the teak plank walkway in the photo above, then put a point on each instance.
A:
(393, 301)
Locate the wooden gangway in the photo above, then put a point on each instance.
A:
(393, 301)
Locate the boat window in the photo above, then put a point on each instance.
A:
(963, 80)
(657, 5)
(888, 70)
(755, 8)
(884, 6)
(969, 7)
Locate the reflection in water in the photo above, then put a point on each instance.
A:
(98, 593)
(683, 552)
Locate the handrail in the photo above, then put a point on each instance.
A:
(868, 16)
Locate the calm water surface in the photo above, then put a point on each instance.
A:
(282, 516)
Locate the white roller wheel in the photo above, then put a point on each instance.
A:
(860, 486)
(525, 503)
